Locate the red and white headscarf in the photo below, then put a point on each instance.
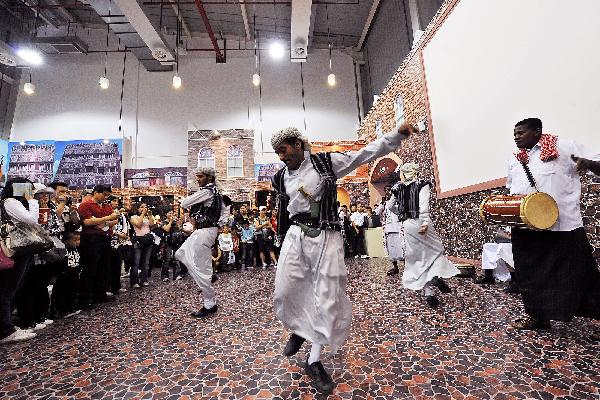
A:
(549, 150)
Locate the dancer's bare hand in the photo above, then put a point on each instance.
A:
(423, 229)
(406, 130)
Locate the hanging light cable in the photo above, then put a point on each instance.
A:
(103, 81)
(176, 77)
(256, 76)
(331, 76)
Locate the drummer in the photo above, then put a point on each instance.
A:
(555, 269)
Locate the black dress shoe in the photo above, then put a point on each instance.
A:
(204, 312)
(440, 284)
(432, 301)
(214, 278)
(293, 345)
(320, 379)
(484, 280)
(393, 271)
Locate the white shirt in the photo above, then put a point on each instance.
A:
(558, 178)
(389, 219)
(18, 212)
(357, 218)
(342, 163)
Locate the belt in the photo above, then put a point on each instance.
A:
(306, 219)
(203, 225)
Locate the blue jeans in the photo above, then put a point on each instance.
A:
(141, 260)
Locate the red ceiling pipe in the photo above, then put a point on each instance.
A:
(209, 30)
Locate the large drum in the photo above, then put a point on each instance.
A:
(535, 211)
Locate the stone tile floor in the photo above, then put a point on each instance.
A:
(146, 346)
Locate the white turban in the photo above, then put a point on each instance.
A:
(209, 171)
(289, 133)
(409, 168)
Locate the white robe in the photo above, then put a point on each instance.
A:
(498, 257)
(392, 229)
(424, 258)
(310, 283)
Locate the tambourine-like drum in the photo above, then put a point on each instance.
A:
(535, 211)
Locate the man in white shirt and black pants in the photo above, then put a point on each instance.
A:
(555, 269)
(310, 284)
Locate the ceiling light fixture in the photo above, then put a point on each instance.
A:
(276, 50)
(106, 141)
(331, 76)
(176, 77)
(30, 55)
(256, 76)
(103, 82)
(29, 87)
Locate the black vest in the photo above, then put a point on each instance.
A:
(206, 216)
(328, 205)
(407, 199)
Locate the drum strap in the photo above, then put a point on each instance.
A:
(529, 176)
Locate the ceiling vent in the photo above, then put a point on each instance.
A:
(63, 44)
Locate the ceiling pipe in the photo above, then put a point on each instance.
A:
(299, 28)
(209, 30)
(245, 18)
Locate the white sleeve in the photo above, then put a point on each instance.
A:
(199, 197)
(18, 212)
(344, 163)
(380, 209)
(424, 216)
(580, 150)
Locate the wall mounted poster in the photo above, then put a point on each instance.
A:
(79, 163)
(144, 177)
(3, 158)
(264, 172)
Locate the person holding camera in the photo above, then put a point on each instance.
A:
(143, 240)
(264, 236)
(98, 219)
(61, 205)
(172, 235)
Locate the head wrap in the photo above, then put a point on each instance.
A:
(209, 171)
(410, 171)
(289, 133)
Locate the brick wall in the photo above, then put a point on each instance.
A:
(239, 188)
(457, 218)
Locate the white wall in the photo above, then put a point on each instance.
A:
(493, 63)
(68, 104)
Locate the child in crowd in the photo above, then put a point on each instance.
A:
(226, 247)
(247, 244)
(65, 291)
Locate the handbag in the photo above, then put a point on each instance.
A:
(5, 261)
(57, 253)
(24, 238)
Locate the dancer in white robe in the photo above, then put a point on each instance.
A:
(392, 229)
(206, 210)
(424, 262)
(310, 284)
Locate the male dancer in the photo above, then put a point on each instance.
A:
(206, 209)
(392, 228)
(310, 284)
(425, 264)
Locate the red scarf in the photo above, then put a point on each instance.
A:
(549, 150)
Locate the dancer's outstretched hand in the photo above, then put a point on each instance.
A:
(423, 229)
(406, 130)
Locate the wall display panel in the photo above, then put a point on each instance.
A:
(79, 163)
(264, 172)
(146, 177)
(482, 79)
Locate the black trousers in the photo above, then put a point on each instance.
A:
(557, 274)
(33, 300)
(9, 283)
(66, 290)
(358, 241)
(114, 273)
(246, 254)
(95, 263)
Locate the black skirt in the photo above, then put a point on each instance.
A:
(557, 274)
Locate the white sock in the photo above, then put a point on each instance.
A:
(209, 303)
(428, 290)
(315, 353)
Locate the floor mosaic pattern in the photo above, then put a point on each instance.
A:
(145, 346)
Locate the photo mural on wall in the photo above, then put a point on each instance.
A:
(79, 163)
(145, 177)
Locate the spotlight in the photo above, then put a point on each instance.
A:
(176, 81)
(30, 56)
(256, 79)
(106, 141)
(29, 88)
(103, 82)
(276, 50)
(331, 79)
